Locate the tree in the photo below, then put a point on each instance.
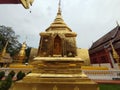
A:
(7, 34)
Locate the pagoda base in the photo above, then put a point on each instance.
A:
(56, 73)
(35, 82)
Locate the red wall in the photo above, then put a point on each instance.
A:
(101, 57)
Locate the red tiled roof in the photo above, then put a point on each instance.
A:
(104, 41)
(9, 1)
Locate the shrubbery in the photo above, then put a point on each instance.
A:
(20, 75)
(12, 74)
(2, 74)
(5, 84)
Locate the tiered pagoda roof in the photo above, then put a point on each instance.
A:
(58, 23)
(103, 42)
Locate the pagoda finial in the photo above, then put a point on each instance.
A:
(117, 23)
(59, 8)
(59, 3)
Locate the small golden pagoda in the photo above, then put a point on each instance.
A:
(21, 58)
(57, 66)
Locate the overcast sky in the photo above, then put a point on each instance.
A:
(90, 19)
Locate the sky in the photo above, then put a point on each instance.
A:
(90, 19)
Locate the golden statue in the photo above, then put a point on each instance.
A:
(22, 53)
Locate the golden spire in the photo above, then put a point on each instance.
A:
(115, 55)
(59, 17)
(59, 8)
(4, 49)
(58, 21)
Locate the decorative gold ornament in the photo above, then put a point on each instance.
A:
(76, 88)
(55, 88)
(27, 3)
(115, 55)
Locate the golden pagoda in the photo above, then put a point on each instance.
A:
(21, 58)
(57, 66)
(58, 39)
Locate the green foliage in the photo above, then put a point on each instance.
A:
(12, 73)
(7, 34)
(109, 86)
(20, 75)
(2, 74)
(6, 84)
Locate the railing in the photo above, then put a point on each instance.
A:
(92, 74)
(103, 74)
(16, 70)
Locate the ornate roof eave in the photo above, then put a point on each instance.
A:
(110, 36)
(67, 34)
(27, 3)
(45, 34)
(54, 26)
(71, 34)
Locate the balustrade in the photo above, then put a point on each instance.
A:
(16, 70)
(102, 74)
(92, 74)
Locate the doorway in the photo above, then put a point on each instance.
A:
(57, 46)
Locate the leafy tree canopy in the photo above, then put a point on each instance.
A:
(7, 34)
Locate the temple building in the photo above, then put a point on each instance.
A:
(58, 39)
(106, 50)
